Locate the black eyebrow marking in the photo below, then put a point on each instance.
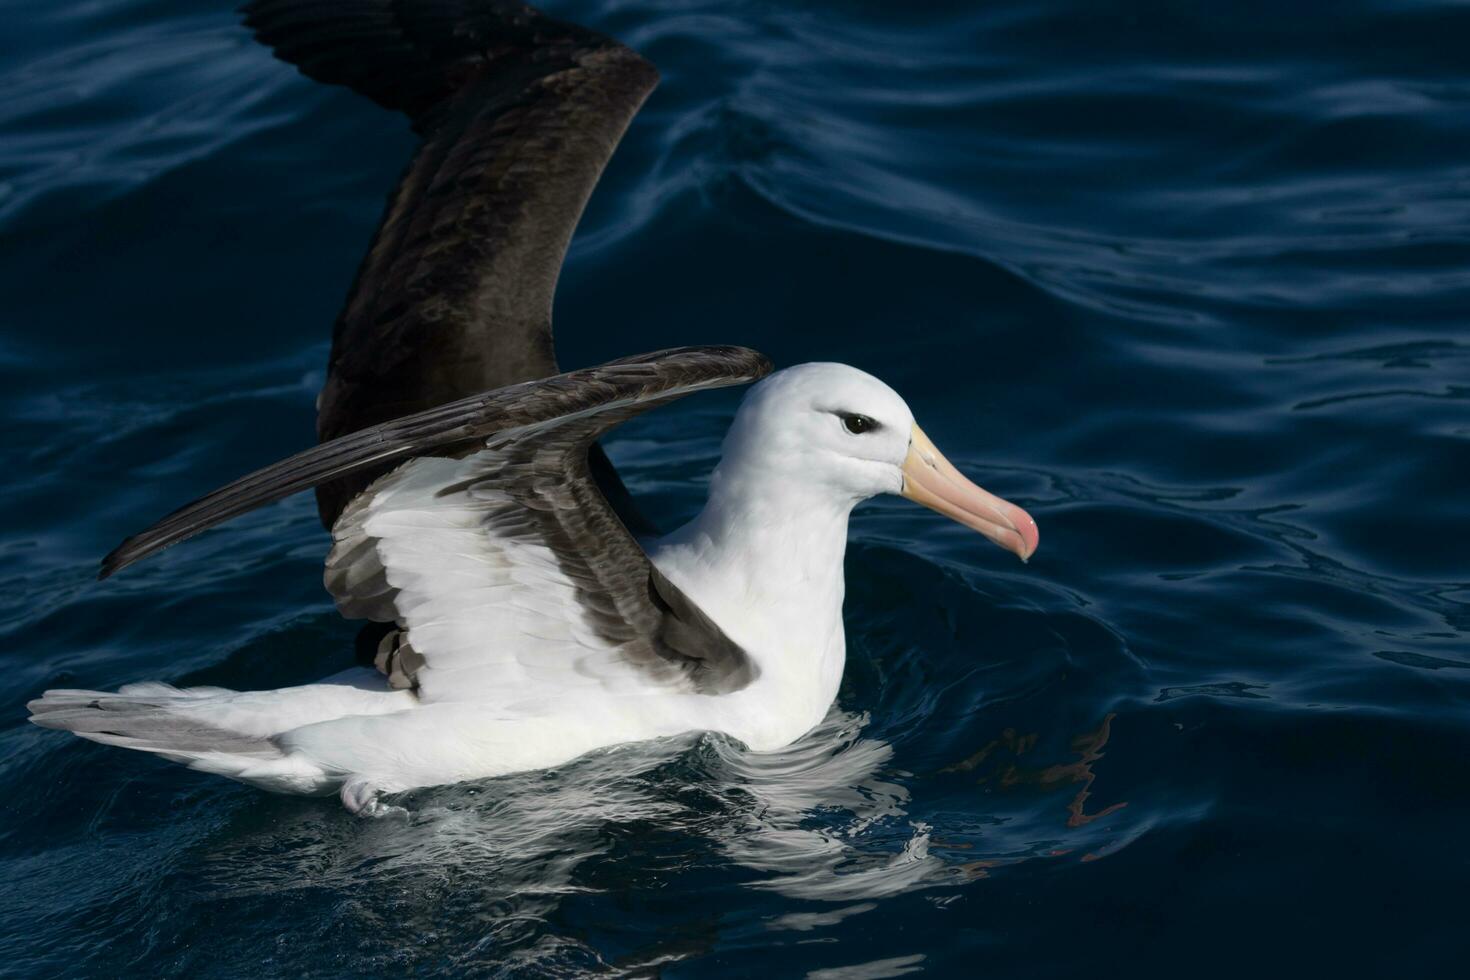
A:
(856, 422)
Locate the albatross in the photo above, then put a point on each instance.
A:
(520, 613)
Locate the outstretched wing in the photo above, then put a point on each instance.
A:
(499, 559)
(519, 113)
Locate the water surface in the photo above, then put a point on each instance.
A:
(1188, 284)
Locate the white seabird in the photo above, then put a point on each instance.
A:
(531, 626)
(521, 624)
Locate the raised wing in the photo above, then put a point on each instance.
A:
(519, 114)
(499, 559)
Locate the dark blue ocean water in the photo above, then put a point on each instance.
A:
(1188, 281)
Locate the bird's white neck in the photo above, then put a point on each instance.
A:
(764, 560)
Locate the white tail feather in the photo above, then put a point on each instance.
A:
(156, 718)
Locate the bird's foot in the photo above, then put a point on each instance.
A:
(363, 799)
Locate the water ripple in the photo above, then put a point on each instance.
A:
(1185, 281)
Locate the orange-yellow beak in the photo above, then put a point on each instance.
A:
(932, 480)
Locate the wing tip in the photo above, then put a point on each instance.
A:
(115, 561)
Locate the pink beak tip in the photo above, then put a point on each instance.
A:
(1029, 533)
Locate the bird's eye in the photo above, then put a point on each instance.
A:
(858, 424)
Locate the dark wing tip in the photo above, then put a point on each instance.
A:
(131, 549)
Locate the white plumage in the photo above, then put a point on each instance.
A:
(514, 649)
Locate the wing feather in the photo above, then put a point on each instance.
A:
(636, 383)
(519, 113)
(501, 561)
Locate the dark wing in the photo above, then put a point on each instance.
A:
(519, 113)
(508, 569)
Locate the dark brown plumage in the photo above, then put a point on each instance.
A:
(519, 114)
(444, 346)
(588, 402)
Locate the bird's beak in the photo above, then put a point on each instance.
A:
(933, 481)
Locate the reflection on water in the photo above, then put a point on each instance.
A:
(820, 822)
(1088, 747)
(509, 860)
(826, 820)
(815, 821)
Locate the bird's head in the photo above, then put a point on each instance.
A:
(844, 432)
